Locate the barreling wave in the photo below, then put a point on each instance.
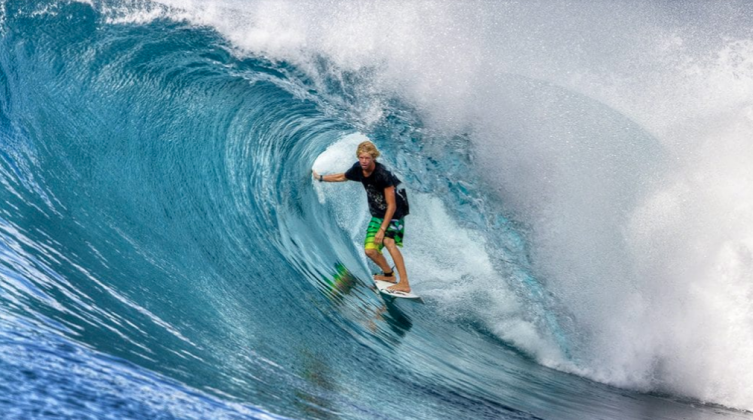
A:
(161, 231)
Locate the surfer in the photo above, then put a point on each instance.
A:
(388, 207)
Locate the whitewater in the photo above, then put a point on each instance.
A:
(581, 226)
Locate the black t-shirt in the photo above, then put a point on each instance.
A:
(375, 184)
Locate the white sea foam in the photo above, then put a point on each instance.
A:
(649, 248)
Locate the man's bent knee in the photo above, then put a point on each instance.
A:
(371, 253)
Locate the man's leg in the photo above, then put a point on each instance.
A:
(397, 257)
(379, 260)
(374, 250)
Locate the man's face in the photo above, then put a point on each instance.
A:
(365, 160)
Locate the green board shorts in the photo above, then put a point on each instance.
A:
(395, 230)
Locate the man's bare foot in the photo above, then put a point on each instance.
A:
(400, 287)
(389, 279)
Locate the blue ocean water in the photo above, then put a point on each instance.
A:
(164, 252)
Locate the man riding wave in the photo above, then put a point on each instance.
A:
(388, 206)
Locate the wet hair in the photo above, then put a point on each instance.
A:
(367, 147)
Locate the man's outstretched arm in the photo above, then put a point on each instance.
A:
(329, 178)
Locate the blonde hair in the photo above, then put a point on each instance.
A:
(367, 147)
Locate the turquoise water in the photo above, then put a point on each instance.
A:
(165, 254)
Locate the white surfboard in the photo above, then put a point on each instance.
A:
(383, 285)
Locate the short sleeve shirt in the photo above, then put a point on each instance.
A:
(375, 184)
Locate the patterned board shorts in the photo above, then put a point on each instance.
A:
(395, 231)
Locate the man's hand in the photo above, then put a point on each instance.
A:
(316, 175)
(379, 237)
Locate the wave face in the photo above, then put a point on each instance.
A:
(580, 225)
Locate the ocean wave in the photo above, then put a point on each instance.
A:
(159, 210)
